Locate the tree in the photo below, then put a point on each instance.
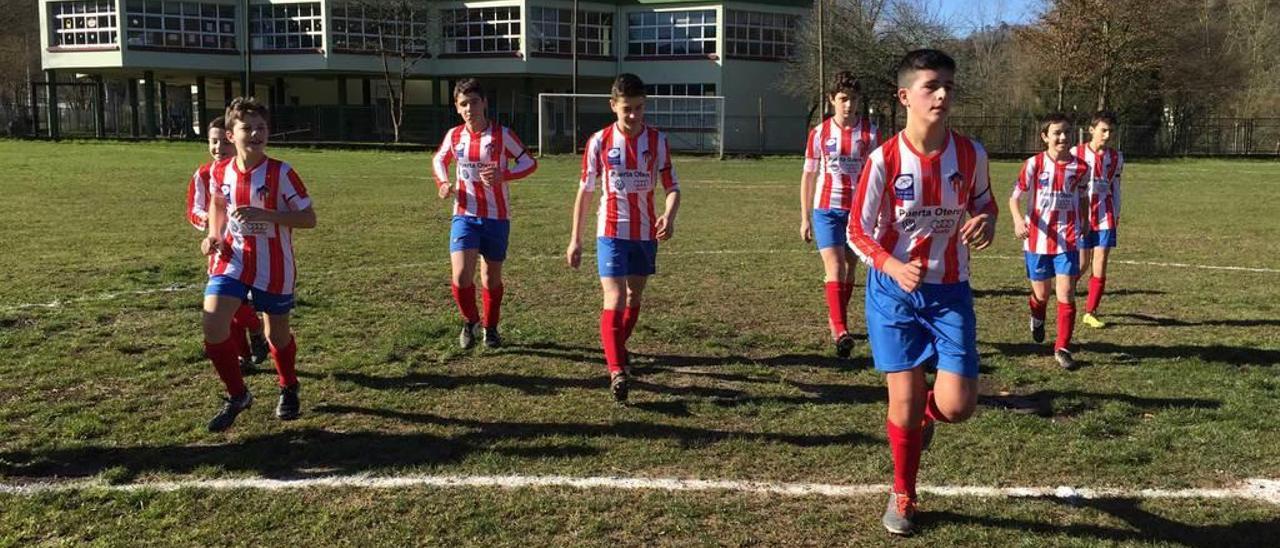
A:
(404, 35)
(19, 62)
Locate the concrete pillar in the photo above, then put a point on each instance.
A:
(201, 113)
(51, 102)
(149, 99)
(99, 108)
(131, 89)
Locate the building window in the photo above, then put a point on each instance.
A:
(481, 30)
(181, 25)
(296, 26)
(355, 28)
(549, 32)
(686, 114)
(83, 24)
(671, 33)
(760, 35)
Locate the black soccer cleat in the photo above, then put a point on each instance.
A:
(1064, 359)
(467, 338)
(259, 348)
(288, 408)
(492, 339)
(231, 408)
(1037, 330)
(619, 385)
(844, 345)
(246, 365)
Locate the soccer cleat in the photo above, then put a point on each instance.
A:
(898, 514)
(259, 347)
(467, 338)
(246, 365)
(926, 434)
(288, 408)
(231, 407)
(619, 384)
(844, 345)
(1064, 359)
(1092, 321)
(1037, 330)
(492, 339)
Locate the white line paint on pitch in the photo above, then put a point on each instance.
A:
(1262, 490)
(62, 303)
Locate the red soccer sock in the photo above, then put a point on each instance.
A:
(466, 299)
(836, 311)
(629, 317)
(611, 338)
(905, 444)
(492, 297)
(931, 411)
(846, 293)
(1096, 287)
(247, 318)
(285, 360)
(1037, 308)
(226, 361)
(1066, 325)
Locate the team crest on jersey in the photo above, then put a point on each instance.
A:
(956, 179)
(226, 191)
(904, 187)
(831, 144)
(460, 150)
(615, 156)
(1044, 179)
(262, 192)
(618, 184)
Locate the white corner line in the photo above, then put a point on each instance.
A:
(1260, 490)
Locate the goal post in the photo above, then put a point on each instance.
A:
(692, 123)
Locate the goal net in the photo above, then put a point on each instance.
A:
(692, 123)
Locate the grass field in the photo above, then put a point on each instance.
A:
(737, 379)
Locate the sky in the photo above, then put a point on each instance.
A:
(964, 15)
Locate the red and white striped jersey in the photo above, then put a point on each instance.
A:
(198, 198)
(1105, 169)
(493, 146)
(837, 154)
(630, 168)
(261, 252)
(911, 206)
(1053, 214)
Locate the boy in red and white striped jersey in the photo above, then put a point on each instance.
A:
(833, 159)
(483, 150)
(1052, 229)
(246, 327)
(1106, 165)
(256, 202)
(629, 159)
(923, 199)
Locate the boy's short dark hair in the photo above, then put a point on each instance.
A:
(242, 107)
(627, 85)
(844, 81)
(1053, 118)
(218, 123)
(1103, 116)
(467, 86)
(923, 59)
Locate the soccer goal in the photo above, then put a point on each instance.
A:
(693, 123)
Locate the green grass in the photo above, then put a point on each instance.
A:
(737, 380)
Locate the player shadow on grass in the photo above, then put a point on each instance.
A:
(484, 434)
(1145, 527)
(526, 384)
(1164, 321)
(1024, 291)
(1073, 402)
(1130, 354)
(646, 359)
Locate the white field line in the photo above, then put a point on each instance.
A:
(1262, 490)
(62, 303)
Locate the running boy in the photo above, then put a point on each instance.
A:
(629, 159)
(833, 157)
(256, 202)
(481, 225)
(923, 199)
(1105, 167)
(1052, 229)
(246, 327)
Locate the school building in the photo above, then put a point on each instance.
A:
(165, 67)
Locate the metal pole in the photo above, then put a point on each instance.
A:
(51, 103)
(822, 52)
(573, 48)
(246, 49)
(99, 108)
(722, 132)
